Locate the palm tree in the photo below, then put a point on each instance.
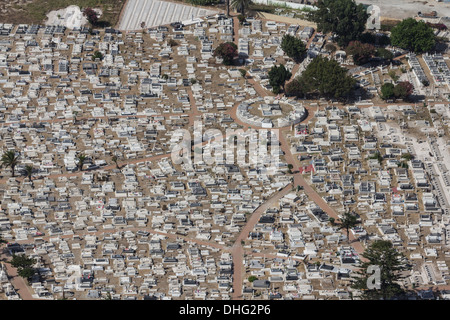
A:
(240, 5)
(10, 159)
(81, 158)
(29, 171)
(115, 159)
(347, 222)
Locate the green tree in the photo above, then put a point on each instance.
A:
(294, 88)
(387, 91)
(115, 159)
(377, 155)
(348, 221)
(243, 72)
(327, 78)
(227, 51)
(293, 47)
(81, 159)
(91, 16)
(21, 261)
(10, 159)
(345, 18)
(252, 278)
(240, 5)
(384, 54)
(26, 273)
(278, 75)
(393, 75)
(203, 2)
(391, 264)
(361, 52)
(29, 171)
(407, 156)
(332, 220)
(241, 19)
(413, 35)
(98, 54)
(403, 90)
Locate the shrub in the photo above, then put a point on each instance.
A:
(91, 16)
(227, 51)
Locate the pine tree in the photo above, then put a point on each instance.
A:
(391, 263)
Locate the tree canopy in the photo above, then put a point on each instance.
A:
(391, 263)
(227, 51)
(10, 159)
(343, 17)
(203, 2)
(348, 221)
(413, 35)
(278, 75)
(295, 88)
(384, 54)
(361, 52)
(326, 78)
(240, 5)
(402, 90)
(387, 91)
(293, 47)
(91, 16)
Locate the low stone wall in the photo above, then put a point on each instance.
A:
(274, 17)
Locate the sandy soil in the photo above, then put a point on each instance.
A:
(70, 17)
(401, 9)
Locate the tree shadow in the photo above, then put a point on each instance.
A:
(102, 24)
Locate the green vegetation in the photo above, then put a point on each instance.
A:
(295, 88)
(241, 19)
(326, 78)
(393, 75)
(348, 221)
(227, 51)
(384, 54)
(115, 159)
(377, 155)
(343, 17)
(23, 265)
(29, 171)
(413, 35)
(332, 220)
(387, 91)
(361, 52)
(81, 159)
(407, 156)
(202, 2)
(293, 47)
(91, 16)
(252, 278)
(380, 253)
(240, 5)
(97, 55)
(278, 77)
(400, 91)
(243, 72)
(10, 159)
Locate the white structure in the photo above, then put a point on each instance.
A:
(374, 21)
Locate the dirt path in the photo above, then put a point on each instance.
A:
(17, 282)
